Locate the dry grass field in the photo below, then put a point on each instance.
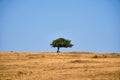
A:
(62, 66)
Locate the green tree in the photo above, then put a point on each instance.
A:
(61, 42)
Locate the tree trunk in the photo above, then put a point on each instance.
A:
(58, 48)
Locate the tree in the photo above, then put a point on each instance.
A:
(61, 42)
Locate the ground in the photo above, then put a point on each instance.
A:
(59, 66)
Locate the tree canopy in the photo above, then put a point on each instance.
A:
(61, 42)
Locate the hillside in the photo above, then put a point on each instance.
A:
(62, 66)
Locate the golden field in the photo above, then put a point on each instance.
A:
(59, 66)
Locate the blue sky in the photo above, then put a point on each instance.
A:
(31, 25)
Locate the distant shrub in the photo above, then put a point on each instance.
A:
(95, 56)
(99, 56)
(104, 56)
(76, 61)
(42, 56)
(84, 61)
(21, 73)
(114, 55)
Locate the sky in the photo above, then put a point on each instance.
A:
(32, 25)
